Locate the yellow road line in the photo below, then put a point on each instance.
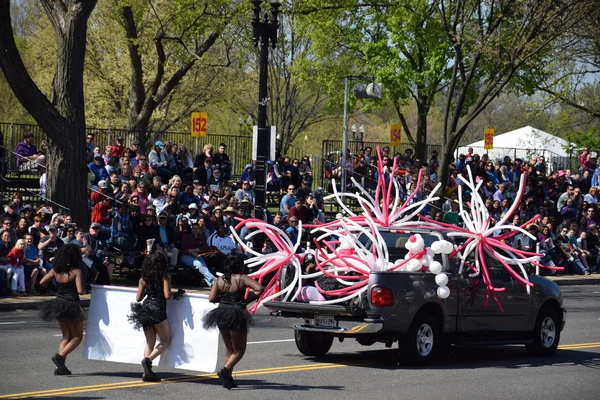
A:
(250, 372)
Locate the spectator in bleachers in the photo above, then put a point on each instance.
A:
(193, 214)
(18, 272)
(158, 157)
(245, 192)
(117, 148)
(207, 151)
(5, 268)
(7, 227)
(168, 239)
(121, 228)
(32, 263)
(28, 158)
(217, 218)
(215, 183)
(107, 154)
(100, 215)
(89, 144)
(49, 246)
(152, 173)
(11, 213)
(272, 179)
(292, 230)
(288, 201)
(248, 174)
(222, 159)
(185, 157)
(222, 242)
(97, 167)
(192, 247)
(188, 196)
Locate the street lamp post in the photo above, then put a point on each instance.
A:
(264, 32)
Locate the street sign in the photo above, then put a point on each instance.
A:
(199, 121)
(395, 134)
(488, 138)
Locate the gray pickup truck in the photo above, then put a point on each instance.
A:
(403, 307)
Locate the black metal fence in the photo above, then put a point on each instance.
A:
(239, 148)
(553, 160)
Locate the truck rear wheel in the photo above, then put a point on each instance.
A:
(546, 334)
(421, 345)
(313, 343)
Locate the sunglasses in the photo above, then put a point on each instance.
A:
(95, 228)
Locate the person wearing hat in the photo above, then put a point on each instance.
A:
(193, 213)
(28, 158)
(49, 245)
(167, 237)
(230, 213)
(159, 156)
(98, 169)
(248, 174)
(97, 253)
(203, 172)
(245, 192)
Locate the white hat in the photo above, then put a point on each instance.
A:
(193, 205)
(339, 216)
(103, 185)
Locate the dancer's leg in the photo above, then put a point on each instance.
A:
(76, 334)
(150, 341)
(238, 340)
(164, 333)
(228, 345)
(66, 335)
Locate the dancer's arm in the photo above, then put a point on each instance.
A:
(252, 284)
(167, 287)
(79, 281)
(140, 292)
(47, 278)
(213, 297)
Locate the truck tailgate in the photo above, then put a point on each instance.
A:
(307, 310)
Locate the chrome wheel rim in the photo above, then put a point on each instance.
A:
(424, 340)
(548, 332)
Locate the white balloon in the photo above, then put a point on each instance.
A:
(414, 265)
(443, 292)
(427, 260)
(447, 247)
(435, 267)
(430, 253)
(437, 246)
(441, 279)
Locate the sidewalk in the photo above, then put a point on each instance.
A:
(32, 302)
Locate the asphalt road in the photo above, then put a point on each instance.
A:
(274, 369)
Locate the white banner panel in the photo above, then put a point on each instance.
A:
(110, 337)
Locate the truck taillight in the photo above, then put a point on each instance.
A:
(381, 296)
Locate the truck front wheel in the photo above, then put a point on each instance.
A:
(313, 343)
(546, 334)
(424, 339)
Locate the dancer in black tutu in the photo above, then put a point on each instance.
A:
(231, 316)
(151, 315)
(65, 308)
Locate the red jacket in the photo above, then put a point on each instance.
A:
(16, 257)
(117, 150)
(99, 214)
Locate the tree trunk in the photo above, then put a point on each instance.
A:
(421, 136)
(63, 120)
(67, 181)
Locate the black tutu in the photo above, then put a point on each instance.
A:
(147, 314)
(62, 309)
(228, 317)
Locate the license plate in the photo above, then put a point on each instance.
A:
(324, 320)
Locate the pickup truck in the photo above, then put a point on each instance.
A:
(403, 307)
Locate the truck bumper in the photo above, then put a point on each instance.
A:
(345, 327)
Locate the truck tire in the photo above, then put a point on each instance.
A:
(313, 343)
(546, 334)
(420, 346)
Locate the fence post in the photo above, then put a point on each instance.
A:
(13, 162)
(235, 155)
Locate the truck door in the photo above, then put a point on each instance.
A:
(515, 304)
(475, 315)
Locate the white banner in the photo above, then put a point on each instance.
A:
(110, 337)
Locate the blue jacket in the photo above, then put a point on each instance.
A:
(100, 173)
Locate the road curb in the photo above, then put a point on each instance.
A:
(574, 282)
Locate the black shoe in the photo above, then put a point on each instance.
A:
(226, 378)
(58, 373)
(151, 377)
(147, 365)
(61, 368)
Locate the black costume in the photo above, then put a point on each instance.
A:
(152, 311)
(231, 315)
(65, 306)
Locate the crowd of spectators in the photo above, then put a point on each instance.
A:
(186, 205)
(566, 200)
(183, 204)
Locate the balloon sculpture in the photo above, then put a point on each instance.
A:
(341, 253)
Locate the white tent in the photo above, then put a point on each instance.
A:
(527, 142)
